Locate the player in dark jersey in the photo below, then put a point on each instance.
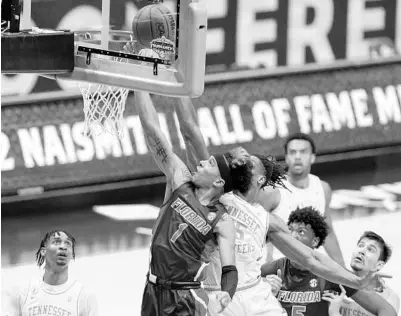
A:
(191, 223)
(299, 291)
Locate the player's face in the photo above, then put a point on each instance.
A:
(58, 251)
(303, 233)
(207, 173)
(299, 157)
(366, 256)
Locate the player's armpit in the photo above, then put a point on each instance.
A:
(225, 231)
(374, 303)
(270, 267)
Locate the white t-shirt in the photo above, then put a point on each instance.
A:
(295, 197)
(38, 298)
(251, 224)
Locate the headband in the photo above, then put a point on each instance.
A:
(225, 172)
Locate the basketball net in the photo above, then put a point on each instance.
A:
(104, 107)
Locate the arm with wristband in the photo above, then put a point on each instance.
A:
(225, 231)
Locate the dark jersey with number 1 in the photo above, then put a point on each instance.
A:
(301, 292)
(183, 236)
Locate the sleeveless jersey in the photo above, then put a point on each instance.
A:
(45, 299)
(251, 225)
(183, 236)
(301, 292)
(350, 307)
(313, 196)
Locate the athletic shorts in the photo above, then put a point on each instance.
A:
(159, 301)
(255, 301)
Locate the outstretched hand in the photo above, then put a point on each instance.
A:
(223, 299)
(335, 301)
(275, 281)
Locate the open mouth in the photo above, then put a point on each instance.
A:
(358, 259)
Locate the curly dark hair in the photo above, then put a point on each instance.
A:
(39, 258)
(241, 172)
(309, 215)
(275, 171)
(386, 250)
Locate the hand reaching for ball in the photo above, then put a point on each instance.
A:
(147, 52)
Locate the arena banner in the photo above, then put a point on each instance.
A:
(342, 109)
(246, 33)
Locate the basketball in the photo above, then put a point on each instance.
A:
(152, 22)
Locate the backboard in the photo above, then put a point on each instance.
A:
(106, 26)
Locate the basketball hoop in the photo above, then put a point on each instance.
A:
(104, 105)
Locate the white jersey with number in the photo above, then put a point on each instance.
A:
(44, 299)
(295, 197)
(251, 224)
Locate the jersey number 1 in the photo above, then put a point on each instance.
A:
(179, 231)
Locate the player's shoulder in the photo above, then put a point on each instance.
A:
(315, 179)
(269, 198)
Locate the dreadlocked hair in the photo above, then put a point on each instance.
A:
(41, 259)
(275, 171)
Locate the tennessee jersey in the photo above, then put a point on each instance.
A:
(350, 307)
(44, 299)
(251, 223)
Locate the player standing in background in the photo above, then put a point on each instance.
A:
(370, 254)
(253, 224)
(304, 189)
(301, 292)
(190, 225)
(55, 293)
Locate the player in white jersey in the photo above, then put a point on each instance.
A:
(54, 293)
(370, 254)
(253, 224)
(304, 190)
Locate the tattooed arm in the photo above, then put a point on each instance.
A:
(196, 147)
(168, 162)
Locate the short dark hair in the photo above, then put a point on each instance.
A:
(309, 215)
(300, 136)
(39, 258)
(386, 250)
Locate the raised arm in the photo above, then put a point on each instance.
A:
(331, 245)
(169, 163)
(313, 261)
(187, 117)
